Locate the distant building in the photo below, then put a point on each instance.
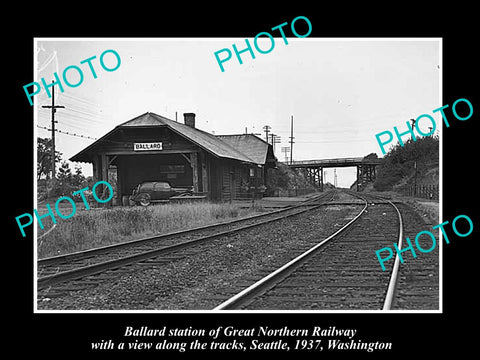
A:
(151, 147)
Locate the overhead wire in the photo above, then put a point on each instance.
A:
(68, 133)
(70, 120)
(80, 115)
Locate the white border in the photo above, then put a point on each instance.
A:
(379, 311)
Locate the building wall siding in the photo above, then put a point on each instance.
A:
(181, 162)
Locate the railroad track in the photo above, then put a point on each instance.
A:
(338, 272)
(418, 283)
(95, 265)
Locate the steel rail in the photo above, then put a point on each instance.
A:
(105, 249)
(392, 285)
(281, 273)
(93, 269)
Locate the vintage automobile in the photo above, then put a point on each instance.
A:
(157, 191)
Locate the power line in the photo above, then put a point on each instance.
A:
(286, 150)
(68, 133)
(87, 137)
(67, 126)
(72, 120)
(89, 110)
(333, 141)
(97, 116)
(80, 99)
(275, 140)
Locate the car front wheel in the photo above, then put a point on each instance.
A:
(144, 200)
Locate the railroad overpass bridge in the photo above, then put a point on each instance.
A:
(313, 169)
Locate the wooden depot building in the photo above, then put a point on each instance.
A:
(151, 147)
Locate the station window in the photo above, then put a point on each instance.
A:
(172, 169)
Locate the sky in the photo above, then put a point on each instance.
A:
(341, 92)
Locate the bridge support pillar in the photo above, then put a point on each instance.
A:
(365, 174)
(315, 176)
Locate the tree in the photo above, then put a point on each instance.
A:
(44, 157)
(78, 179)
(285, 178)
(278, 178)
(68, 182)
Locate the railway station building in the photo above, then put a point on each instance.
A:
(151, 147)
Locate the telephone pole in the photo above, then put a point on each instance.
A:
(266, 128)
(53, 107)
(275, 140)
(286, 150)
(291, 141)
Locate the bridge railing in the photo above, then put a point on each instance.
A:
(339, 161)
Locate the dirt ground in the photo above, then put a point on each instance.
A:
(429, 210)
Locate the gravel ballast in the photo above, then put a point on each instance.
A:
(203, 277)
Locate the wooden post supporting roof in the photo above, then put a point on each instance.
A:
(194, 165)
(104, 176)
(204, 169)
(104, 165)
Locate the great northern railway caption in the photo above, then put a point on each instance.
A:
(334, 268)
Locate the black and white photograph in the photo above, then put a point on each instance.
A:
(268, 186)
(178, 186)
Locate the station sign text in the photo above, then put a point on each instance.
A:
(147, 146)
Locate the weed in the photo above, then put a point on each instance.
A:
(101, 227)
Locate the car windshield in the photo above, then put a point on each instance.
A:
(162, 186)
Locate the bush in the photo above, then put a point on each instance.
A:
(400, 161)
(283, 178)
(65, 184)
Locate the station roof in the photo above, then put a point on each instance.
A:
(238, 147)
(250, 145)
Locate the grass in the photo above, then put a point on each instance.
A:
(100, 227)
(427, 209)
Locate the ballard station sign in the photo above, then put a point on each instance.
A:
(147, 146)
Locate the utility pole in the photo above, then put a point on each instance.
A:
(286, 150)
(266, 128)
(275, 140)
(291, 141)
(53, 107)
